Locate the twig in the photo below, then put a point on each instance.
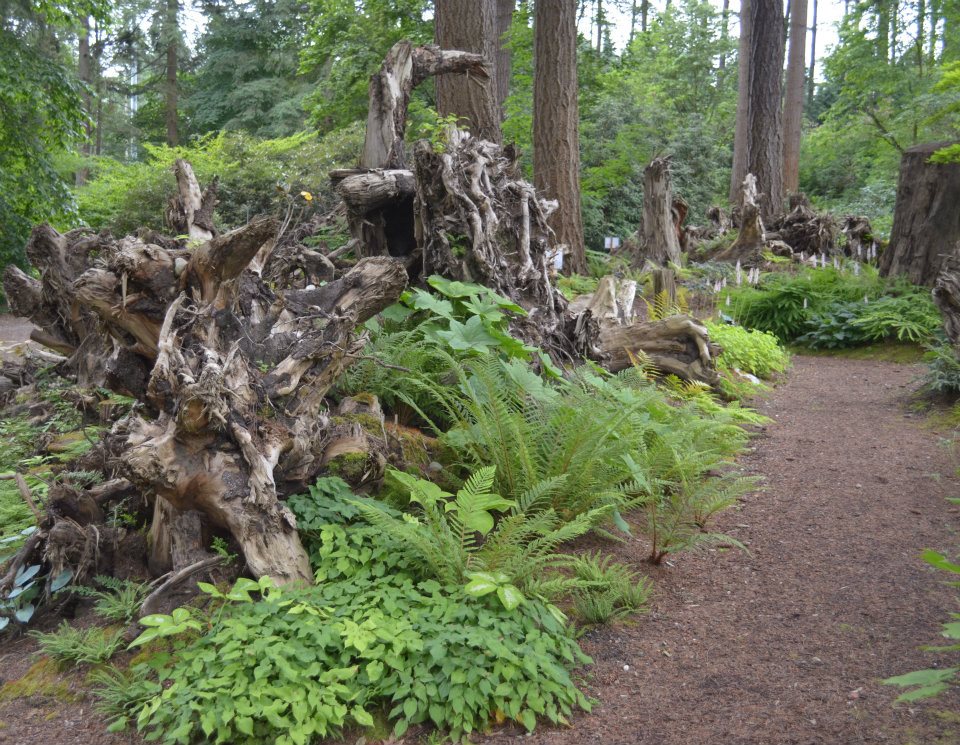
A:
(176, 578)
(24, 492)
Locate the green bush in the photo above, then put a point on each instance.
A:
(125, 196)
(943, 369)
(756, 352)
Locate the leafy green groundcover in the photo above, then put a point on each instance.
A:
(372, 641)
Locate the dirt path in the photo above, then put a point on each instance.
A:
(787, 645)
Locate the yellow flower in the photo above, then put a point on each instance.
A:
(307, 195)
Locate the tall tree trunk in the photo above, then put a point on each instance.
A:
(921, 39)
(171, 39)
(556, 134)
(894, 33)
(471, 26)
(644, 14)
(634, 12)
(793, 100)
(84, 72)
(926, 223)
(813, 55)
(501, 73)
(724, 30)
(882, 12)
(934, 19)
(599, 26)
(758, 140)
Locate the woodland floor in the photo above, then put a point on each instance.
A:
(784, 646)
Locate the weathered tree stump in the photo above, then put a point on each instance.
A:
(658, 240)
(748, 247)
(926, 221)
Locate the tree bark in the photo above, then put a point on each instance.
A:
(171, 39)
(813, 56)
(659, 242)
(748, 247)
(504, 57)
(793, 100)
(404, 68)
(926, 222)
(84, 73)
(190, 212)
(758, 138)
(556, 139)
(470, 25)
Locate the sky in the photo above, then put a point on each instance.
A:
(829, 15)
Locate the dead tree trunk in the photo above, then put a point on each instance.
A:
(946, 294)
(404, 68)
(748, 247)
(659, 241)
(231, 374)
(190, 212)
(926, 221)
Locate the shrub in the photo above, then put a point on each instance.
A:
(943, 369)
(120, 599)
(756, 352)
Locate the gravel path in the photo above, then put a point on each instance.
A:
(788, 645)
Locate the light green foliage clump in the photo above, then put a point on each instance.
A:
(756, 352)
(75, 646)
(126, 196)
(297, 664)
(118, 601)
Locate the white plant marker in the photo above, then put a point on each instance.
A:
(739, 274)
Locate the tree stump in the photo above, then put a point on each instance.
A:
(926, 221)
(748, 247)
(658, 242)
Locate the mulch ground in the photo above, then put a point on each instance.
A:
(786, 645)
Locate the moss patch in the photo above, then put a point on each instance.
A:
(42, 680)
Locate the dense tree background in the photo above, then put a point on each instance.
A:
(268, 91)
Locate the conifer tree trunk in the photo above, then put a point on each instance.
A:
(556, 135)
(813, 55)
(471, 26)
(171, 39)
(502, 68)
(758, 138)
(84, 73)
(793, 100)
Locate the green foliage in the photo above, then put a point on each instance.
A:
(301, 663)
(927, 683)
(41, 115)
(73, 646)
(755, 352)
(121, 694)
(126, 196)
(609, 589)
(346, 41)
(834, 328)
(248, 77)
(326, 502)
(943, 369)
(120, 599)
(911, 317)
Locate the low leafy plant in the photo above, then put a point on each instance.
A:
(943, 369)
(610, 589)
(302, 663)
(923, 684)
(756, 352)
(73, 646)
(121, 694)
(835, 328)
(118, 601)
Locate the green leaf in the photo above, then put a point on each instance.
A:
(361, 717)
(61, 580)
(425, 301)
(468, 337)
(24, 614)
(510, 596)
(480, 585)
(374, 670)
(25, 575)
(938, 560)
(529, 719)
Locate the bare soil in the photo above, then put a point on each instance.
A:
(786, 645)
